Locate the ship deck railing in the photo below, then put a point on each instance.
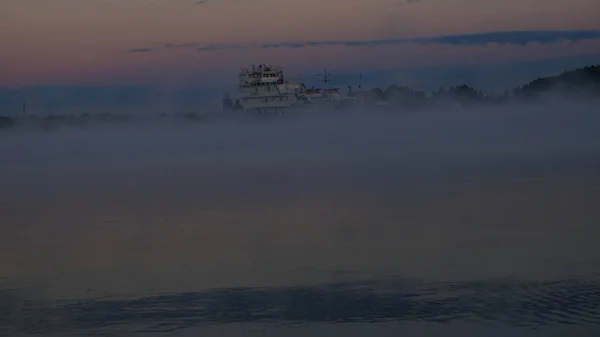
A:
(260, 70)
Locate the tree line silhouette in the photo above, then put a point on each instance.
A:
(578, 83)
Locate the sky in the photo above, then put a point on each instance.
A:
(184, 44)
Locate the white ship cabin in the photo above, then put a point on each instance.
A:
(264, 87)
(260, 75)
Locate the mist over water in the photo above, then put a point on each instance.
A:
(365, 223)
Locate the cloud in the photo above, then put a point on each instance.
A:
(213, 47)
(141, 50)
(197, 46)
(181, 45)
(514, 37)
(522, 38)
(481, 39)
(301, 44)
(404, 2)
(285, 45)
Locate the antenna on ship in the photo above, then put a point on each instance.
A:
(24, 108)
(326, 76)
(360, 81)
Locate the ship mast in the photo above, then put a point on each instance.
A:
(326, 77)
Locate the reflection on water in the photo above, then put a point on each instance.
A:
(416, 225)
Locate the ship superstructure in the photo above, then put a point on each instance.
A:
(322, 96)
(264, 88)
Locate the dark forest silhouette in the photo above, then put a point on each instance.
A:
(579, 83)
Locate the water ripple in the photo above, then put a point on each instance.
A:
(529, 304)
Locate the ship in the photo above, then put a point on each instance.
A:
(264, 88)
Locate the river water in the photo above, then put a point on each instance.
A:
(438, 223)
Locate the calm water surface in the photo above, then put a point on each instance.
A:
(447, 224)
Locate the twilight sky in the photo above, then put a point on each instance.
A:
(201, 43)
